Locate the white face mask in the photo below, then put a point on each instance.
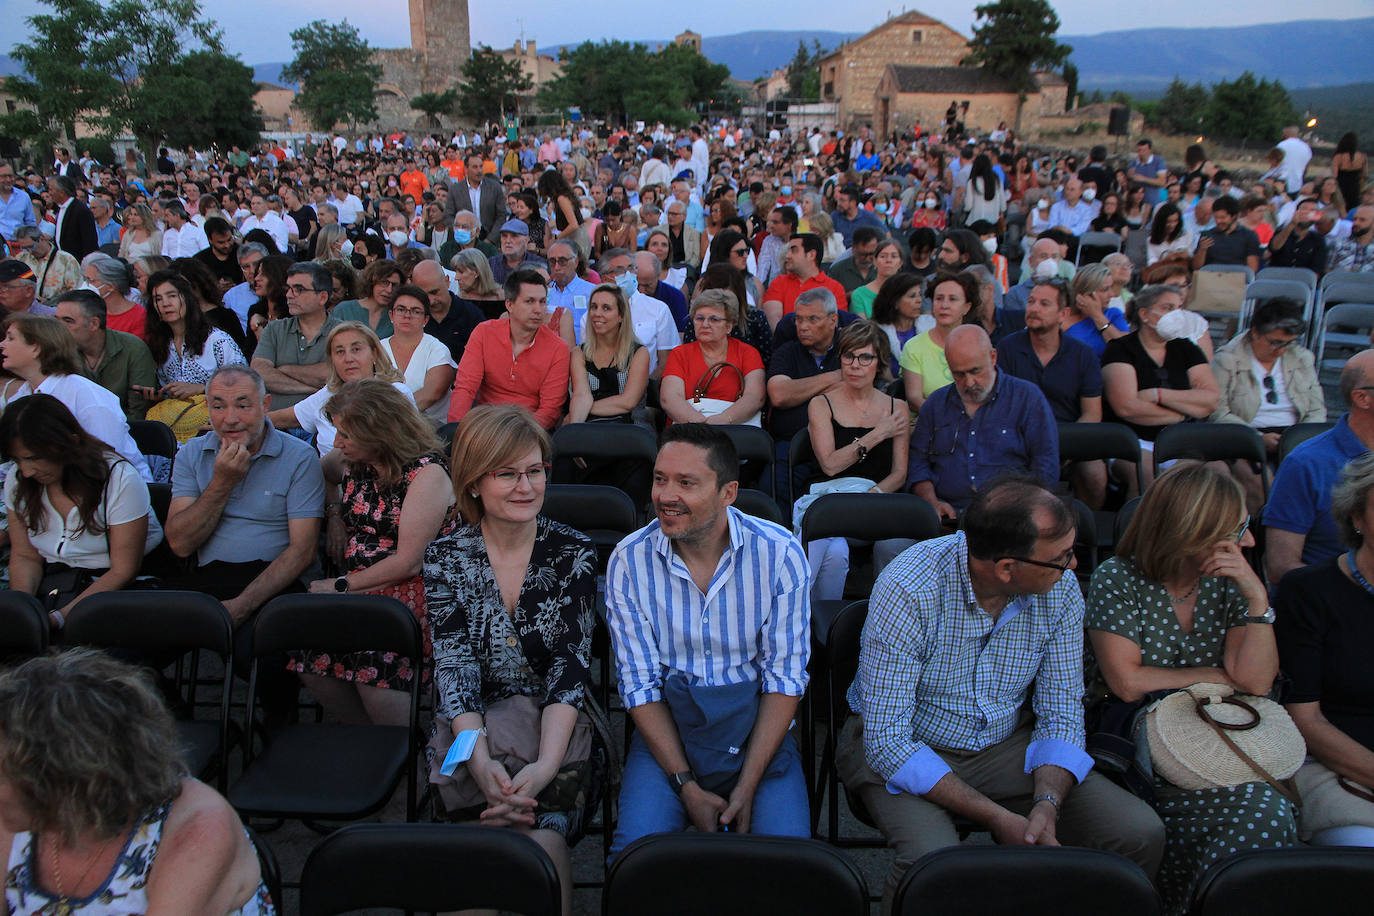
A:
(346, 249)
(1090, 194)
(397, 238)
(990, 246)
(1174, 325)
(1047, 268)
(930, 203)
(1044, 203)
(87, 284)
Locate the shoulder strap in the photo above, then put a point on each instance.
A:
(828, 404)
(1201, 706)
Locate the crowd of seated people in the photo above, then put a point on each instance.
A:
(862, 302)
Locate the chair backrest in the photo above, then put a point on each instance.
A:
(601, 513)
(760, 505)
(1031, 880)
(153, 438)
(268, 866)
(446, 434)
(1303, 275)
(686, 874)
(336, 624)
(756, 451)
(870, 516)
(605, 440)
(1100, 441)
(1317, 879)
(1353, 277)
(428, 867)
(1209, 442)
(24, 626)
(1345, 329)
(154, 621)
(799, 452)
(1297, 434)
(1263, 289)
(1098, 245)
(160, 496)
(1123, 518)
(1085, 539)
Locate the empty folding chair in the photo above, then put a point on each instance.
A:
(757, 453)
(1319, 879)
(1214, 442)
(604, 514)
(1094, 246)
(615, 454)
(153, 437)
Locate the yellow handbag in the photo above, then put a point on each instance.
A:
(185, 416)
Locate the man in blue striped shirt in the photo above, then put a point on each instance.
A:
(961, 631)
(710, 617)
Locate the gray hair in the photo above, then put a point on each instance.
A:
(239, 370)
(1350, 496)
(330, 207)
(980, 273)
(320, 278)
(676, 203)
(110, 270)
(251, 248)
(821, 296)
(1115, 258)
(610, 253)
(1278, 314)
(1146, 298)
(464, 213)
(721, 299)
(28, 233)
(649, 208)
(566, 243)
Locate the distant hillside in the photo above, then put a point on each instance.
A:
(1339, 109)
(1318, 52)
(271, 73)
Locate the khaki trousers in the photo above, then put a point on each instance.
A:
(1097, 814)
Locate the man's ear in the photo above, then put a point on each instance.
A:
(730, 492)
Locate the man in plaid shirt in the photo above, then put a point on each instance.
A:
(961, 631)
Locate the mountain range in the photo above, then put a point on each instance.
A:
(1301, 54)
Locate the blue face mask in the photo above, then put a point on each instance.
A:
(628, 283)
(786, 190)
(880, 209)
(462, 236)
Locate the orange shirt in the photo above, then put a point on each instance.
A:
(786, 288)
(456, 170)
(489, 373)
(414, 183)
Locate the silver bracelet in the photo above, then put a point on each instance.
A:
(1047, 797)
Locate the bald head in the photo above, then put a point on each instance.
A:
(1357, 374)
(430, 277)
(971, 361)
(1042, 249)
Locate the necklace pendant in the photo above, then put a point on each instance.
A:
(64, 907)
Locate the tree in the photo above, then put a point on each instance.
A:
(617, 81)
(1013, 38)
(1247, 107)
(1070, 73)
(491, 85)
(1183, 107)
(64, 73)
(338, 76)
(803, 73)
(153, 68)
(434, 104)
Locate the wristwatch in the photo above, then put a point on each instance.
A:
(861, 449)
(679, 780)
(1047, 797)
(341, 584)
(1267, 617)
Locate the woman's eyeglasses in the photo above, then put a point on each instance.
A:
(510, 477)
(861, 359)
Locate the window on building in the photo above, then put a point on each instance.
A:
(916, 36)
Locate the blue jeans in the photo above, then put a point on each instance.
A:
(649, 805)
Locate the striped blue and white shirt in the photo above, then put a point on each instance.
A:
(752, 624)
(937, 671)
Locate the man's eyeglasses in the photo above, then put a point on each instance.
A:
(510, 477)
(861, 359)
(295, 289)
(1062, 564)
(563, 260)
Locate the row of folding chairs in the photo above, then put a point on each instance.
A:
(434, 867)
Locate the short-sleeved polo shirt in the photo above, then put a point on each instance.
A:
(1071, 374)
(283, 344)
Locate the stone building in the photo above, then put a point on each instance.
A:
(850, 74)
(540, 68)
(690, 39)
(440, 43)
(906, 96)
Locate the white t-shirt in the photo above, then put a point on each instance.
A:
(310, 415)
(1279, 413)
(430, 353)
(273, 225)
(64, 541)
(653, 324)
(1296, 155)
(98, 411)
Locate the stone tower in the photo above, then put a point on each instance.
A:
(441, 37)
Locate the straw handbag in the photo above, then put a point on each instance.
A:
(1207, 736)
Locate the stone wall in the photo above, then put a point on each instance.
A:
(850, 75)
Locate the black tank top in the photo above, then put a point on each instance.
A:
(876, 465)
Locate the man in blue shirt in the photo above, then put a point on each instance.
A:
(1065, 370)
(709, 614)
(961, 631)
(16, 207)
(980, 427)
(849, 216)
(1299, 530)
(566, 289)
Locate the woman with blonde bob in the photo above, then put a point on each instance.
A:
(387, 499)
(355, 353)
(510, 597)
(1325, 630)
(99, 813)
(610, 371)
(1179, 605)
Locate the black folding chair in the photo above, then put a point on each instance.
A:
(153, 438)
(268, 866)
(330, 772)
(630, 450)
(841, 664)
(446, 434)
(1101, 442)
(799, 453)
(24, 627)
(428, 868)
(1317, 879)
(1299, 433)
(1214, 442)
(1030, 881)
(757, 453)
(760, 505)
(688, 874)
(604, 514)
(159, 628)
